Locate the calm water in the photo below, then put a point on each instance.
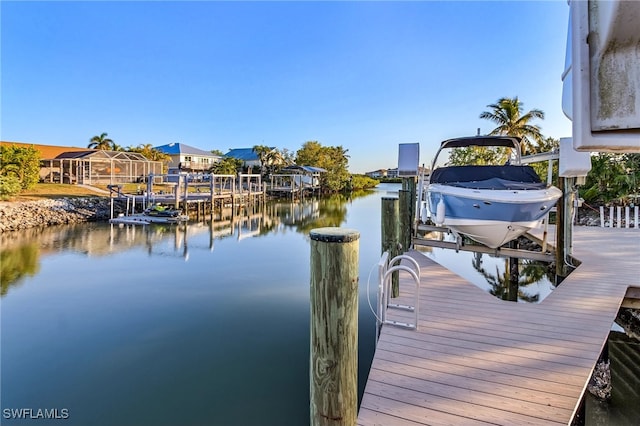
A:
(184, 325)
(172, 326)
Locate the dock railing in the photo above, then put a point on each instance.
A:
(617, 220)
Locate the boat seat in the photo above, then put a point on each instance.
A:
(500, 184)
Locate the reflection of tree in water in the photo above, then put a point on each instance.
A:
(16, 263)
(510, 284)
(331, 211)
(304, 215)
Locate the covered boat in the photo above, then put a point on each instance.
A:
(491, 204)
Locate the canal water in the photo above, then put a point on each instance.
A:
(203, 324)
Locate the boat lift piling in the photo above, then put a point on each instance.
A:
(391, 235)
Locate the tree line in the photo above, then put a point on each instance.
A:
(334, 159)
(613, 177)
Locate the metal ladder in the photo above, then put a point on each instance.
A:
(385, 270)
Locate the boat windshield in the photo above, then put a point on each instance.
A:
(478, 150)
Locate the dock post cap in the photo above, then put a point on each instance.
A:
(334, 235)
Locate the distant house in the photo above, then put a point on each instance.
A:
(65, 164)
(185, 158)
(248, 156)
(393, 173)
(377, 174)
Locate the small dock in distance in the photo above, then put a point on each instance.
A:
(478, 360)
(199, 193)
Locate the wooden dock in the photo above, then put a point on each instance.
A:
(199, 193)
(478, 360)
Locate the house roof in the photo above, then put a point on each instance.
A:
(244, 154)
(48, 151)
(308, 169)
(52, 152)
(180, 148)
(120, 155)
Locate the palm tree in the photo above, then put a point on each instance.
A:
(507, 114)
(150, 153)
(101, 142)
(227, 166)
(508, 285)
(265, 155)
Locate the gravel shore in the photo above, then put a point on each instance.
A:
(28, 214)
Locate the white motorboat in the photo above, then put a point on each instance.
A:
(491, 204)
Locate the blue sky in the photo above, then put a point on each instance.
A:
(220, 75)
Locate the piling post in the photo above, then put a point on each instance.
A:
(514, 274)
(149, 188)
(110, 202)
(405, 228)
(390, 236)
(185, 206)
(410, 184)
(333, 368)
(560, 214)
(564, 226)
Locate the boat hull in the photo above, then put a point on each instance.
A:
(488, 216)
(145, 219)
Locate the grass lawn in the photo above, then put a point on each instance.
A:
(54, 190)
(57, 190)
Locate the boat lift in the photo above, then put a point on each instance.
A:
(546, 255)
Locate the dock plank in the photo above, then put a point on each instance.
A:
(476, 359)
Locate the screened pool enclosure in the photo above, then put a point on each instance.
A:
(98, 167)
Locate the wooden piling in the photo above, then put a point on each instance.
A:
(405, 219)
(564, 228)
(334, 327)
(177, 194)
(410, 184)
(149, 189)
(513, 275)
(390, 236)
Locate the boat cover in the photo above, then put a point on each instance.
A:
(489, 177)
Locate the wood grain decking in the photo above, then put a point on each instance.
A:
(477, 360)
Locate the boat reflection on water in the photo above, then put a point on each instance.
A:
(510, 279)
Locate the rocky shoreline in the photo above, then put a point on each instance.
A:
(19, 215)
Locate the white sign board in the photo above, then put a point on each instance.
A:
(408, 159)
